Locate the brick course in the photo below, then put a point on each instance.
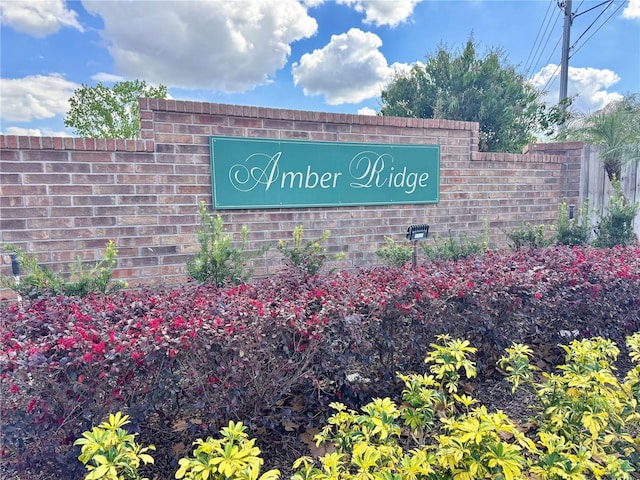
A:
(63, 197)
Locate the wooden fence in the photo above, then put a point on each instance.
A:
(595, 185)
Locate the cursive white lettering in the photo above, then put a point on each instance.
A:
(369, 169)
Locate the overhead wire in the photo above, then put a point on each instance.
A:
(609, 2)
(576, 14)
(536, 62)
(526, 63)
(543, 41)
(622, 4)
(551, 77)
(575, 43)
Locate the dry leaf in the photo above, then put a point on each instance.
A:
(307, 438)
(179, 449)
(180, 426)
(290, 426)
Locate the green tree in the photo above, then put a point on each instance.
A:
(103, 112)
(462, 86)
(615, 129)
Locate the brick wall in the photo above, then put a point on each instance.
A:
(63, 197)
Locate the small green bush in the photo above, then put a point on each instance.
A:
(217, 261)
(457, 248)
(38, 280)
(573, 231)
(530, 236)
(616, 227)
(307, 256)
(395, 254)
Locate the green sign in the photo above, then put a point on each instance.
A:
(262, 173)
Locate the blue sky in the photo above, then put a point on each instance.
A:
(301, 54)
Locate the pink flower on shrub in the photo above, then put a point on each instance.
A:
(137, 357)
(83, 333)
(98, 347)
(32, 405)
(67, 342)
(538, 295)
(178, 322)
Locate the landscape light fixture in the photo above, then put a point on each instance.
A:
(15, 265)
(415, 233)
(15, 269)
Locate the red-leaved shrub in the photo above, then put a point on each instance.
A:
(184, 361)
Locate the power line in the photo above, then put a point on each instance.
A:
(603, 23)
(526, 63)
(576, 14)
(544, 89)
(551, 78)
(596, 19)
(548, 37)
(553, 51)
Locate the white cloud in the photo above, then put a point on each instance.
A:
(347, 70)
(404, 69)
(383, 12)
(367, 111)
(223, 45)
(632, 10)
(38, 18)
(588, 85)
(107, 77)
(34, 97)
(34, 132)
(312, 3)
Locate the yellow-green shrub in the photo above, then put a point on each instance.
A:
(111, 453)
(586, 417)
(585, 426)
(233, 457)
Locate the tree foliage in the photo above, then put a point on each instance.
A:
(462, 86)
(615, 129)
(103, 112)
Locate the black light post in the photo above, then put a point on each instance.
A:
(415, 233)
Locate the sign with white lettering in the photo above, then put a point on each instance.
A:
(264, 173)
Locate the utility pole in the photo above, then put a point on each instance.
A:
(564, 62)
